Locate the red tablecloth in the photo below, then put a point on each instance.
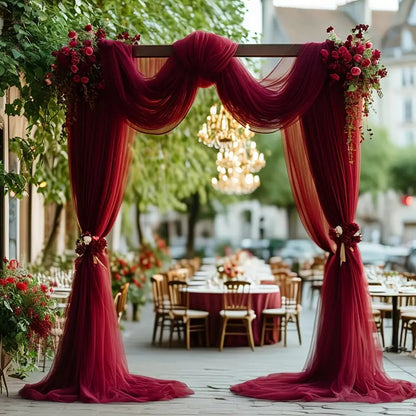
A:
(211, 300)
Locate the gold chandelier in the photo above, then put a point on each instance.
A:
(237, 158)
(233, 182)
(221, 130)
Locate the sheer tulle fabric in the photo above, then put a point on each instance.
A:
(346, 361)
(90, 364)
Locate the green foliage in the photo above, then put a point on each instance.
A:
(403, 171)
(376, 158)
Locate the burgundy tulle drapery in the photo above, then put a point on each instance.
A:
(345, 363)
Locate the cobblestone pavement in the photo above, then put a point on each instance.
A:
(210, 373)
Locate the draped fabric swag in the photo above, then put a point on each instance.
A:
(346, 361)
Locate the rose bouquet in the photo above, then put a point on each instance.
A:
(77, 73)
(356, 65)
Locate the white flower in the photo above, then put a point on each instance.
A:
(338, 230)
(86, 239)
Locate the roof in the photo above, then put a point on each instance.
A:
(309, 25)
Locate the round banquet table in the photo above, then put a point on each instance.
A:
(210, 299)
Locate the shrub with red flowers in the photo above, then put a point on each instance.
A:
(138, 269)
(356, 65)
(76, 73)
(26, 313)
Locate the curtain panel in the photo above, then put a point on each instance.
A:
(346, 360)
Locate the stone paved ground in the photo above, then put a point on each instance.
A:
(210, 373)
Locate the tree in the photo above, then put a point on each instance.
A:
(403, 171)
(33, 29)
(376, 158)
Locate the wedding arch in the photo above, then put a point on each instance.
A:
(320, 123)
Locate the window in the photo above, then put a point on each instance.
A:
(407, 76)
(408, 111)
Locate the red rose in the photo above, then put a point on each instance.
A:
(65, 50)
(74, 69)
(100, 34)
(357, 57)
(13, 264)
(355, 71)
(89, 51)
(10, 280)
(335, 77)
(76, 78)
(87, 42)
(334, 55)
(117, 276)
(100, 86)
(72, 34)
(3, 282)
(73, 43)
(18, 311)
(368, 45)
(84, 80)
(360, 48)
(44, 288)
(88, 28)
(347, 58)
(21, 286)
(365, 63)
(376, 54)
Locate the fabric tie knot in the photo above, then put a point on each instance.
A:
(92, 245)
(206, 54)
(345, 236)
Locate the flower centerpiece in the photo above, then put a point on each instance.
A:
(26, 315)
(356, 65)
(77, 72)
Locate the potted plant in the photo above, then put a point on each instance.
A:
(26, 317)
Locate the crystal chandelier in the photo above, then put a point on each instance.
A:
(221, 130)
(237, 158)
(233, 182)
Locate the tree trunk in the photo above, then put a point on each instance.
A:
(193, 211)
(139, 226)
(50, 244)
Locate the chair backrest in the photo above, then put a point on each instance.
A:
(237, 295)
(120, 300)
(281, 275)
(181, 273)
(160, 294)
(178, 294)
(291, 292)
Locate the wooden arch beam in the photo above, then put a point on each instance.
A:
(244, 50)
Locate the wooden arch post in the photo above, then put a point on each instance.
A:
(243, 51)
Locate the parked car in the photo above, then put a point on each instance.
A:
(383, 255)
(299, 250)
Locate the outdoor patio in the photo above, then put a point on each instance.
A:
(210, 373)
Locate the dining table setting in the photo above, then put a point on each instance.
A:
(396, 288)
(206, 289)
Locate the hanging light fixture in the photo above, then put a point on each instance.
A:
(222, 130)
(237, 158)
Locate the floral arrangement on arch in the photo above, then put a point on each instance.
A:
(76, 72)
(27, 313)
(356, 65)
